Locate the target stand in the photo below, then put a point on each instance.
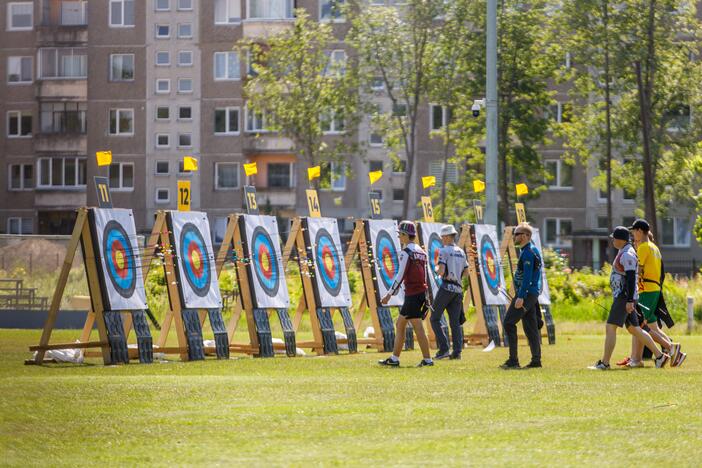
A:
(189, 321)
(115, 283)
(324, 253)
(257, 318)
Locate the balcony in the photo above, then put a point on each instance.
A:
(52, 35)
(73, 143)
(277, 197)
(61, 198)
(63, 22)
(268, 17)
(64, 88)
(267, 142)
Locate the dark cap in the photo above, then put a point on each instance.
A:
(621, 233)
(641, 224)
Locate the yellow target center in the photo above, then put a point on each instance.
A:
(328, 263)
(388, 263)
(265, 261)
(196, 260)
(119, 259)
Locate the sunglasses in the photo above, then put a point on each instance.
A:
(519, 234)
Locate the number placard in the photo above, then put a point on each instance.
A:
(478, 210)
(521, 213)
(313, 204)
(102, 186)
(250, 198)
(184, 195)
(374, 198)
(428, 210)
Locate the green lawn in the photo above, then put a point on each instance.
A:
(347, 410)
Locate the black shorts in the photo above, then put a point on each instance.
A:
(619, 316)
(414, 306)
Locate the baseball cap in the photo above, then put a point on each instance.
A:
(621, 233)
(448, 230)
(408, 228)
(641, 224)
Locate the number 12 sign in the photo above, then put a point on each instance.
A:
(184, 195)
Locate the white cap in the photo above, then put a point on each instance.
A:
(448, 230)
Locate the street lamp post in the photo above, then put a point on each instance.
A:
(491, 164)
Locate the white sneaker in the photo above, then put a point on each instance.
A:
(599, 365)
(635, 364)
(681, 358)
(662, 361)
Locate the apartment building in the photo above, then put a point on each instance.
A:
(156, 80)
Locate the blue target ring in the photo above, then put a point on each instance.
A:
(326, 258)
(490, 264)
(119, 259)
(265, 261)
(434, 246)
(195, 259)
(386, 258)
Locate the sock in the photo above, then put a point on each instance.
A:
(428, 359)
(394, 358)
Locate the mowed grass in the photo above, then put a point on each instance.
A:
(346, 410)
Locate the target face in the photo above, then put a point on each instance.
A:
(430, 239)
(323, 244)
(490, 265)
(492, 278)
(265, 261)
(386, 258)
(195, 259)
(121, 280)
(327, 257)
(385, 244)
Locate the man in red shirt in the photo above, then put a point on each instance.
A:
(413, 274)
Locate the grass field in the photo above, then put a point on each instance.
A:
(347, 410)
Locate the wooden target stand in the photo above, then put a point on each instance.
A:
(321, 318)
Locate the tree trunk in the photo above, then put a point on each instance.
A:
(645, 119)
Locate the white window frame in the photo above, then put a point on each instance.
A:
(118, 112)
(159, 145)
(121, 187)
(555, 184)
(238, 176)
(160, 119)
(168, 8)
(192, 86)
(10, 27)
(184, 36)
(227, 120)
(157, 89)
(331, 69)
(179, 8)
(183, 119)
(264, 120)
(444, 117)
(122, 24)
(288, 12)
(374, 144)
(559, 242)
(393, 194)
(185, 64)
(22, 167)
(184, 146)
(162, 173)
(226, 65)
(112, 57)
(293, 179)
(168, 55)
(50, 186)
(156, 31)
(340, 19)
(21, 220)
(334, 169)
(58, 65)
(31, 69)
(675, 243)
(228, 14)
(334, 122)
(19, 115)
(158, 200)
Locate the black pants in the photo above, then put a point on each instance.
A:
(452, 303)
(530, 321)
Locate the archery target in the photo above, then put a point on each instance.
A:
(545, 296)
(324, 244)
(195, 263)
(491, 275)
(385, 247)
(262, 249)
(120, 263)
(430, 238)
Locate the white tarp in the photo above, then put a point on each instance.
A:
(545, 296)
(385, 247)
(326, 254)
(492, 278)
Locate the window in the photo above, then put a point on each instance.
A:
(227, 66)
(185, 4)
(399, 166)
(19, 69)
(64, 117)
(377, 83)
(163, 5)
(66, 13)
(185, 113)
(331, 10)
(603, 222)
(561, 112)
(560, 175)
(61, 173)
(226, 176)
(185, 30)
(558, 232)
(19, 225)
(185, 58)
(163, 195)
(376, 139)
(185, 140)
(19, 124)
(65, 62)
(163, 140)
(677, 118)
(280, 175)
(163, 31)
(399, 110)
(185, 85)
(255, 121)
(227, 11)
(398, 195)
(121, 121)
(163, 59)
(375, 166)
(335, 174)
(337, 63)
(440, 117)
(226, 121)
(676, 232)
(121, 176)
(628, 220)
(332, 123)
(122, 67)
(436, 169)
(162, 168)
(21, 176)
(163, 113)
(270, 9)
(121, 13)
(163, 86)
(20, 16)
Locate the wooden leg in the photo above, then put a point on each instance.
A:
(298, 314)
(165, 328)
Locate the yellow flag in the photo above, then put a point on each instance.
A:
(478, 186)
(522, 189)
(104, 158)
(250, 169)
(375, 176)
(189, 164)
(313, 172)
(428, 181)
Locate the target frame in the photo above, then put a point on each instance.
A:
(321, 233)
(382, 235)
(430, 239)
(492, 283)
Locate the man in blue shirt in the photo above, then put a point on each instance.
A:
(525, 304)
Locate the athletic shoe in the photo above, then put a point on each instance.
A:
(389, 362)
(662, 361)
(532, 365)
(599, 365)
(425, 362)
(443, 355)
(635, 364)
(455, 356)
(678, 362)
(673, 352)
(510, 365)
(624, 362)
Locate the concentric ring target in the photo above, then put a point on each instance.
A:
(265, 262)
(119, 259)
(386, 258)
(434, 246)
(328, 263)
(490, 264)
(195, 259)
